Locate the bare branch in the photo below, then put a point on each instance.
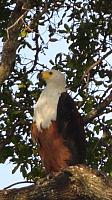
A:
(21, 182)
(95, 64)
(97, 111)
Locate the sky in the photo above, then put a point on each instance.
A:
(6, 176)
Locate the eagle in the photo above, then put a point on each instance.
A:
(57, 125)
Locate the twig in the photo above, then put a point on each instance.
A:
(21, 182)
(109, 87)
(95, 64)
(15, 24)
(95, 113)
(37, 17)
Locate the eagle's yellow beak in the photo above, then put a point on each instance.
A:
(46, 75)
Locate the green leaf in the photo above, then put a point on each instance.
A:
(109, 122)
(24, 33)
(67, 27)
(15, 168)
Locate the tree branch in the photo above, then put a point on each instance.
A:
(97, 111)
(21, 182)
(95, 64)
(78, 182)
(10, 46)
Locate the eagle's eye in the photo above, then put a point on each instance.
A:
(50, 73)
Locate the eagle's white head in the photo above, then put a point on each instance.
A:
(54, 78)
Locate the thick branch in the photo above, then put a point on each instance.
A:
(97, 111)
(78, 182)
(10, 46)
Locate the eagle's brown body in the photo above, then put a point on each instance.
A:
(54, 154)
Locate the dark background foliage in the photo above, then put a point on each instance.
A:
(86, 29)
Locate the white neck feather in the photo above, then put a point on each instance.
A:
(45, 110)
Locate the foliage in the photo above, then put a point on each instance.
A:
(85, 29)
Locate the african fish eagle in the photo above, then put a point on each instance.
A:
(57, 125)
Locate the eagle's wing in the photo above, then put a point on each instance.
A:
(70, 127)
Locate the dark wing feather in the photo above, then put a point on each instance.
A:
(70, 126)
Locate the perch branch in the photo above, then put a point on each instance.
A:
(76, 182)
